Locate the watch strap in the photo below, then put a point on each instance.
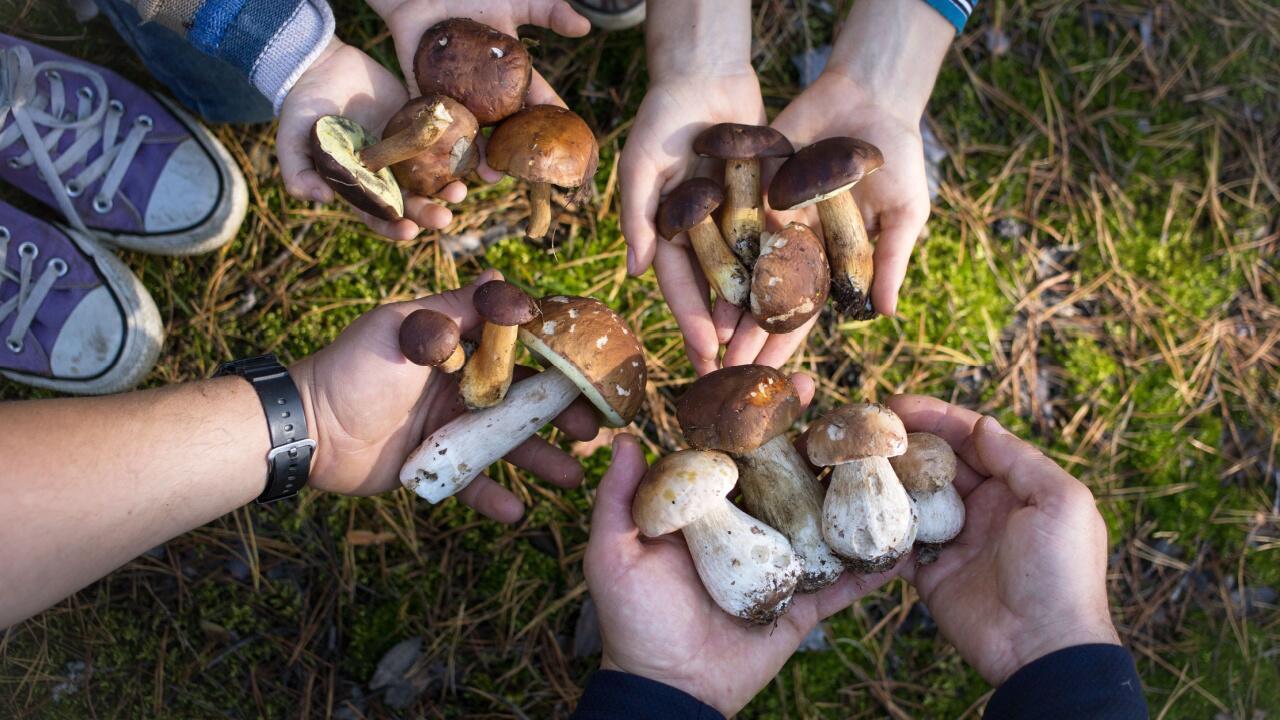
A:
(289, 460)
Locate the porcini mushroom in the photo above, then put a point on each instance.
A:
(928, 471)
(504, 308)
(486, 70)
(588, 350)
(867, 517)
(688, 209)
(791, 280)
(822, 173)
(432, 338)
(746, 410)
(347, 158)
(741, 147)
(746, 566)
(449, 158)
(545, 145)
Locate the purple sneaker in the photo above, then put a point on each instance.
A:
(121, 164)
(72, 316)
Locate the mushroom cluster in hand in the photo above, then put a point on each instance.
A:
(587, 350)
(928, 471)
(747, 567)
(742, 147)
(746, 411)
(687, 209)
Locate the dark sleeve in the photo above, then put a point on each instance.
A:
(612, 695)
(1098, 682)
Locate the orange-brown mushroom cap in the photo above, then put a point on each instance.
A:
(546, 144)
(486, 70)
(737, 409)
(854, 431)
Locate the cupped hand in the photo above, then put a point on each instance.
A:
(656, 619)
(345, 81)
(1027, 575)
(370, 408)
(894, 200)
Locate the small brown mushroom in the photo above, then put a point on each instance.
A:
(688, 209)
(545, 145)
(742, 147)
(504, 308)
(486, 70)
(822, 173)
(928, 471)
(791, 279)
(449, 158)
(432, 338)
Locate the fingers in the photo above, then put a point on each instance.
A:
(547, 462)
(640, 186)
(457, 304)
(557, 15)
(747, 342)
(686, 294)
(541, 92)
(611, 517)
(491, 500)
(426, 214)
(293, 152)
(805, 388)
(455, 192)
(778, 349)
(898, 233)
(1030, 474)
(485, 172)
(840, 595)
(725, 318)
(401, 230)
(952, 423)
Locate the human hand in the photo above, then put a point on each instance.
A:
(656, 619)
(1027, 575)
(369, 408)
(345, 81)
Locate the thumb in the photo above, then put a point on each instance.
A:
(457, 304)
(611, 518)
(293, 151)
(557, 15)
(1030, 474)
(898, 234)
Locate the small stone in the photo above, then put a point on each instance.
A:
(816, 640)
(395, 663)
(997, 41)
(1010, 229)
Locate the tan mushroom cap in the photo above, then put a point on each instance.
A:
(547, 144)
(680, 488)
(593, 346)
(929, 464)
(791, 279)
(336, 143)
(486, 70)
(822, 169)
(689, 204)
(856, 430)
(428, 337)
(735, 141)
(449, 158)
(737, 409)
(501, 303)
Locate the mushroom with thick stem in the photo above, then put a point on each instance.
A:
(747, 567)
(449, 158)
(504, 308)
(356, 168)
(486, 70)
(688, 209)
(867, 517)
(791, 279)
(433, 339)
(545, 145)
(742, 147)
(928, 471)
(745, 410)
(589, 351)
(822, 173)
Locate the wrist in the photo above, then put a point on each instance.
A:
(1092, 628)
(304, 379)
(697, 38)
(684, 685)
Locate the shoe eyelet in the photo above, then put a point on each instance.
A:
(53, 74)
(145, 121)
(15, 346)
(59, 266)
(85, 92)
(4, 236)
(28, 250)
(102, 204)
(115, 106)
(74, 189)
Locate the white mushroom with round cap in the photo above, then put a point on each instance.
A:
(928, 471)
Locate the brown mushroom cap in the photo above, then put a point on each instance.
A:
(854, 431)
(501, 303)
(428, 337)
(335, 146)
(822, 169)
(484, 69)
(592, 345)
(734, 141)
(791, 279)
(929, 464)
(547, 144)
(737, 409)
(453, 155)
(689, 204)
(680, 488)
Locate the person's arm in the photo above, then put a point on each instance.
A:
(1097, 681)
(613, 695)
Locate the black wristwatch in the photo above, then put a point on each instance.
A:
(289, 460)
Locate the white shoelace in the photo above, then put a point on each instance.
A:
(30, 295)
(96, 119)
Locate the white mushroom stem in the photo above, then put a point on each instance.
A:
(747, 567)
(725, 274)
(867, 517)
(780, 490)
(539, 209)
(452, 456)
(740, 215)
(941, 514)
(487, 376)
(850, 254)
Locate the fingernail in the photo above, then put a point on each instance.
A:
(318, 195)
(995, 427)
(631, 262)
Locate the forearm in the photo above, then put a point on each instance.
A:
(1085, 681)
(697, 37)
(90, 483)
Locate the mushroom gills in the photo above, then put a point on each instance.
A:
(868, 518)
(342, 140)
(850, 254)
(747, 567)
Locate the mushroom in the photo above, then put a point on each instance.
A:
(432, 338)
(504, 308)
(688, 209)
(928, 471)
(545, 145)
(449, 158)
(745, 410)
(348, 159)
(486, 70)
(746, 566)
(742, 147)
(867, 518)
(822, 173)
(791, 279)
(588, 349)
